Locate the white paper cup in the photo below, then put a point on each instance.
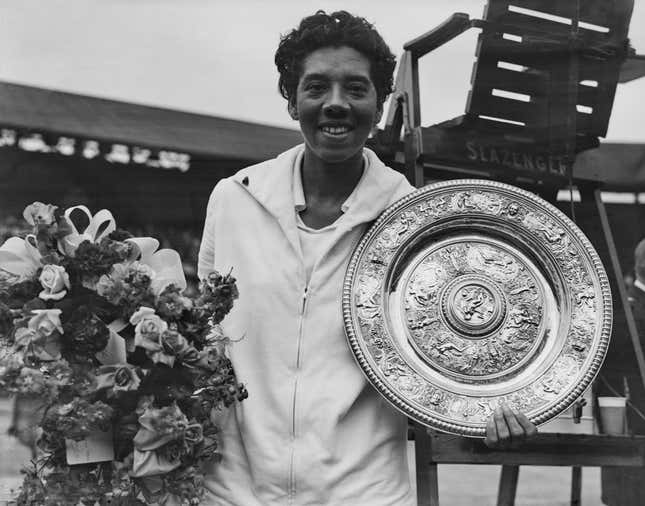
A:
(612, 414)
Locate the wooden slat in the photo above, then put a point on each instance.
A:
(584, 123)
(532, 52)
(481, 102)
(602, 97)
(527, 25)
(596, 12)
(544, 449)
(530, 24)
(531, 82)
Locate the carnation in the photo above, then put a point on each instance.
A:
(77, 419)
(19, 293)
(91, 259)
(219, 293)
(171, 304)
(127, 286)
(85, 333)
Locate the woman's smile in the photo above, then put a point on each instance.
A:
(336, 103)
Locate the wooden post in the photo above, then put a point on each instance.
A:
(508, 485)
(426, 470)
(576, 485)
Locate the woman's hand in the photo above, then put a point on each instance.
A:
(507, 428)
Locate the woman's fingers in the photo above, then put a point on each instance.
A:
(506, 427)
(529, 428)
(492, 439)
(515, 429)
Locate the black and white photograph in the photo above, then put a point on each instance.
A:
(332, 253)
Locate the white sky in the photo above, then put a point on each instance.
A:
(216, 56)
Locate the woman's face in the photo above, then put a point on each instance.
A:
(335, 103)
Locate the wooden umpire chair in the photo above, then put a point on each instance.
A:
(542, 90)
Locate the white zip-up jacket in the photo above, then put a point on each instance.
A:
(312, 432)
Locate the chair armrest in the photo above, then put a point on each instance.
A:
(456, 24)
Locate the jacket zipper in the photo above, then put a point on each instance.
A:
(292, 481)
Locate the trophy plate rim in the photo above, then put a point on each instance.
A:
(467, 294)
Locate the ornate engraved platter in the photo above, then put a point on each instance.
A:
(468, 294)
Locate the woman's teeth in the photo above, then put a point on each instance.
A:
(335, 130)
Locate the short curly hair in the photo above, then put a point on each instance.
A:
(333, 30)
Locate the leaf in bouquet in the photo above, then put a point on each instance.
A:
(35, 304)
(6, 320)
(22, 292)
(120, 234)
(186, 483)
(84, 334)
(82, 296)
(33, 490)
(45, 240)
(167, 384)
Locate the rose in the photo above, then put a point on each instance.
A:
(55, 282)
(189, 356)
(193, 434)
(121, 378)
(125, 379)
(173, 345)
(40, 214)
(45, 321)
(148, 329)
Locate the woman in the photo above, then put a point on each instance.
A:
(312, 431)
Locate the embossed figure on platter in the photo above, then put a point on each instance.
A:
(465, 312)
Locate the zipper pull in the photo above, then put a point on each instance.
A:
(304, 301)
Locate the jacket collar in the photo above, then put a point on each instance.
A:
(270, 183)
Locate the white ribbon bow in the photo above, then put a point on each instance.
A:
(20, 257)
(100, 225)
(166, 264)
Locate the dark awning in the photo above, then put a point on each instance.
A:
(44, 110)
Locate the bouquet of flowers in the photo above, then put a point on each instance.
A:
(95, 322)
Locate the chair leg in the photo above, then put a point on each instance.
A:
(576, 485)
(508, 485)
(427, 476)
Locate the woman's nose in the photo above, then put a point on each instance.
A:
(336, 102)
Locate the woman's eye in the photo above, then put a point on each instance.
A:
(357, 89)
(315, 87)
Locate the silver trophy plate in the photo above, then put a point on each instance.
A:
(468, 294)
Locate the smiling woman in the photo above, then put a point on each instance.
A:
(313, 431)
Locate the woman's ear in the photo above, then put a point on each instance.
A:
(293, 110)
(379, 114)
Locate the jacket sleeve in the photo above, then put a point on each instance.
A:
(206, 258)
